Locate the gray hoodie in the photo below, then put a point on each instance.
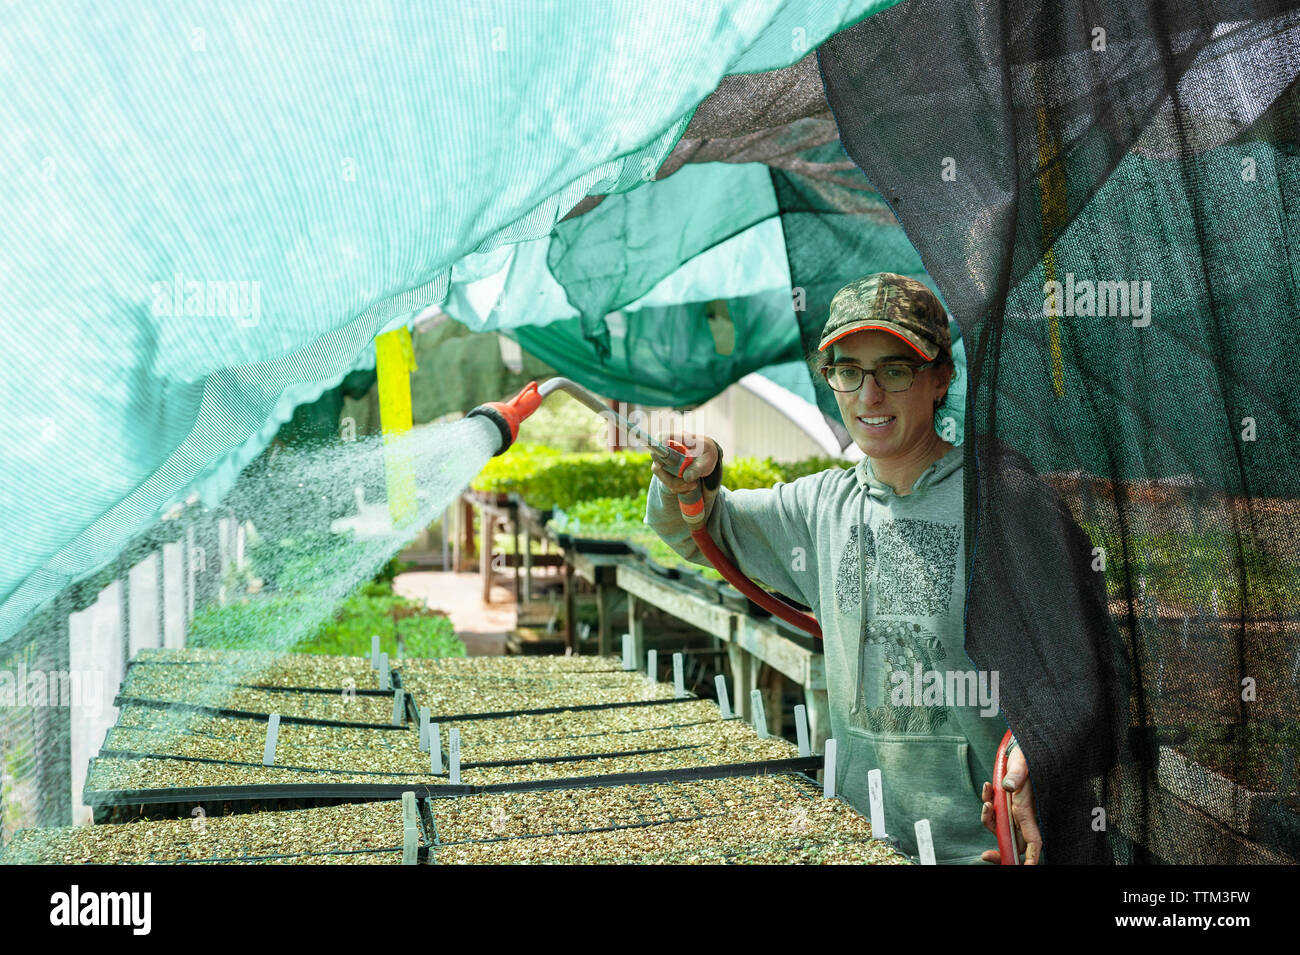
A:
(904, 697)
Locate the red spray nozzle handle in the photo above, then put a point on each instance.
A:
(686, 457)
(691, 501)
(1002, 821)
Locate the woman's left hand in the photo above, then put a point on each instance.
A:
(1025, 821)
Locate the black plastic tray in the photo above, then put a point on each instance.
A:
(267, 796)
(698, 583)
(248, 715)
(798, 634)
(597, 545)
(577, 708)
(731, 598)
(669, 573)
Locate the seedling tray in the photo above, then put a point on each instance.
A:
(519, 749)
(770, 818)
(594, 721)
(531, 514)
(249, 749)
(180, 801)
(251, 715)
(450, 698)
(728, 749)
(541, 710)
(263, 669)
(517, 666)
(354, 835)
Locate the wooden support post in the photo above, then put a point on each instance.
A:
(772, 687)
(187, 583)
(467, 527)
(570, 605)
(160, 593)
(606, 595)
(744, 678)
(488, 522)
(528, 565)
(52, 732)
(124, 610)
(636, 627)
(514, 536)
(819, 718)
(453, 530)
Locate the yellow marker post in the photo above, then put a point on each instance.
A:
(394, 362)
(1055, 209)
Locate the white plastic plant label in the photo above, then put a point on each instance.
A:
(876, 797)
(724, 701)
(924, 842)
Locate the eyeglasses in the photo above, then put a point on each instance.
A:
(890, 376)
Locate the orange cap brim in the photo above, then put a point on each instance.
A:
(866, 326)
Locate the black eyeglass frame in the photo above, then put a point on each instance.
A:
(915, 369)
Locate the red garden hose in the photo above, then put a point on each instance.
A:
(1002, 823)
(692, 505)
(769, 602)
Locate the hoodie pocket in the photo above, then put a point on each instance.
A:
(923, 777)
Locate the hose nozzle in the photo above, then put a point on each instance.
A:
(507, 415)
(676, 457)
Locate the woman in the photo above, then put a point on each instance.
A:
(877, 552)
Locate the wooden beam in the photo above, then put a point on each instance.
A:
(761, 638)
(677, 600)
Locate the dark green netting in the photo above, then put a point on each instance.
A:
(590, 281)
(1090, 143)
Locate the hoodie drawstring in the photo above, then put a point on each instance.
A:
(862, 594)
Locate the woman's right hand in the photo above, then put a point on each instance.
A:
(705, 452)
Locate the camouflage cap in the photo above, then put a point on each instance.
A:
(892, 303)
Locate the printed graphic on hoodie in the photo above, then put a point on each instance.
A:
(848, 575)
(896, 646)
(917, 561)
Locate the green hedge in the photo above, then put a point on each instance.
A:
(546, 478)
(603, 495)
(513, 470)
(264, 622)
(575, 478)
